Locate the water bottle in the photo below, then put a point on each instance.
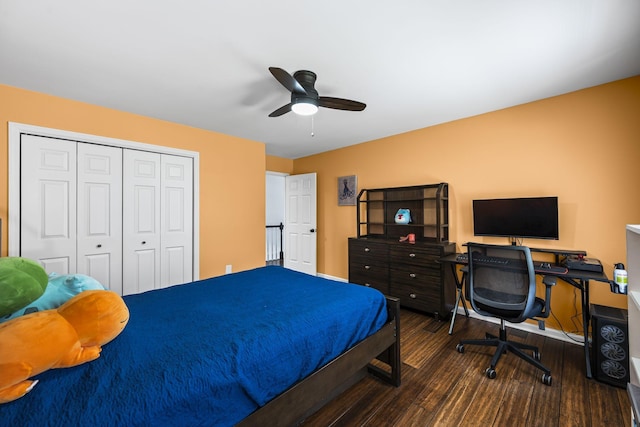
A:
(620, 277)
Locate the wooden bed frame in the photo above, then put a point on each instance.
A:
(307, 396)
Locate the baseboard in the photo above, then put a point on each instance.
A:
(527, 327)
(524, 326)
(326, 276)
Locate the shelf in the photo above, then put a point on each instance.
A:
(635, 365)
(393, 224)
(633, 305)
(634, 397)
(634, 228)
(420, 199)
(634, 296)
(428, 206)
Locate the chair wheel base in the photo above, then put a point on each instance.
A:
(491, 373)
(546, 379)
(460, 348)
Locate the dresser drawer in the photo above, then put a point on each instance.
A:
(367, 250)
(414, 255)
(417, 297)
(374, 276)
(359, 272)
(423, 276)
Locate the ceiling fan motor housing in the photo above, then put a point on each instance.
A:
(307, 80)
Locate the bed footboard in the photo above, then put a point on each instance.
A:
(391, 355)
(310, 394)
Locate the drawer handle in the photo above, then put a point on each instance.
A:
(412, 275)
(367, 267)
(412, 255)
(412, 296)
(367, 249)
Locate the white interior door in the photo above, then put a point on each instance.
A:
(176, 221)
(141, 221)
(300, 223)
(99, 246)
(48, 204)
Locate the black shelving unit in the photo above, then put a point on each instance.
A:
(428, 204)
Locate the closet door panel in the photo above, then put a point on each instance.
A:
(141, 221)
(176, 220)
(48, 202)
(100, 214)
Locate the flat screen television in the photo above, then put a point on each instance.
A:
(522, 217)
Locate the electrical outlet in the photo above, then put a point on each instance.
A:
(227, 269)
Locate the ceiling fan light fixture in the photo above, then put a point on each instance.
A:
(304, 108)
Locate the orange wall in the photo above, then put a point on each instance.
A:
(583, 147)
(232, 170)
(278, 164)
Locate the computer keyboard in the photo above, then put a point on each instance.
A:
(539, 267)
(483, 259)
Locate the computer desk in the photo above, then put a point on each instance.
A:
(577, 278)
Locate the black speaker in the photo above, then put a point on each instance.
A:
(610, 338)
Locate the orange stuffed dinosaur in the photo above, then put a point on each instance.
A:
(67, 336)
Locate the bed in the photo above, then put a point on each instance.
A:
(267, 346)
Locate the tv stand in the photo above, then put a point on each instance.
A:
(557, 253)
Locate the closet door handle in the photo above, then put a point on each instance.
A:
(98, 245)
(144, 242)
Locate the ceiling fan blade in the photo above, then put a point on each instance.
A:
(340, 104)
(287, 80)
(280, 111)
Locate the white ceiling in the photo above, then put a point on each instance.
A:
(415, 63)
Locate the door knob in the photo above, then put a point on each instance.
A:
(98, 245)
(144, 242)
(313, 230)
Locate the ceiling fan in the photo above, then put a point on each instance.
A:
(304, 98)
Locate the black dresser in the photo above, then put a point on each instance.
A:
(408, 271)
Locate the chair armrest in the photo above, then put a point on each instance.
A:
(549, 281)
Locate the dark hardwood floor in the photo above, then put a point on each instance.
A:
(441, 387)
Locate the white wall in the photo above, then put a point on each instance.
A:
(274, 205)
(274, 198)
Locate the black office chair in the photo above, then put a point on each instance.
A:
(502, 284)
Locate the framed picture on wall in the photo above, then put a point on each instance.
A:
(347, 189)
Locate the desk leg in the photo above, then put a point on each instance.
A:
(584, 291)
(459, 297)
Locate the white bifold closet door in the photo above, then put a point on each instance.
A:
(71, 208)
(158, 220)
(176, 220)
(122, 216)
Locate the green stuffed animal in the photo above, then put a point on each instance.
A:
(21, 281)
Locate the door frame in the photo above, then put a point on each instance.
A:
(15, 130)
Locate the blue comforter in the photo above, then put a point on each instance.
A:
(206, 353)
